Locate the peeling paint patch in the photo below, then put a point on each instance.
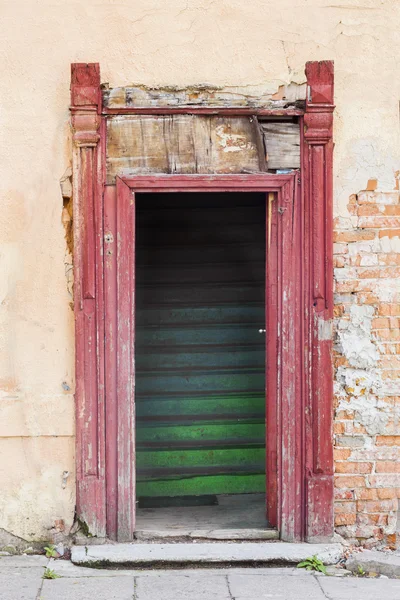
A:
(324, 330)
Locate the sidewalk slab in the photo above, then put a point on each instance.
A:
(190, 587)
(377, 562)
(103, 588)
(23, 561)
(248, 587)
(220, 553)
(356, 588)
(20, 583)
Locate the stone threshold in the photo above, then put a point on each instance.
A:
(206, 534)
(202, 554)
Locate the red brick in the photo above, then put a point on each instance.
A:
(388, 440)
(338, 427)
(353, 467)
(374, 506)
(390, 210)
(354, 481)
(343, 494)
(375, 222)
(380, 323)
(386, 494)
(390, 259)
(374, 519)
(354, 235)
(338, 262)
(341, 453)
(344, 507)
(366, 494)
(389, 233)
(387, 466)
(345, 519)
(344, 415)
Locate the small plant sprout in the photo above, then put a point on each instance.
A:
(50, 574)
(312, 564)
(360, 571)
(51, 551)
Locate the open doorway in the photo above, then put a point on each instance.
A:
(200, 361)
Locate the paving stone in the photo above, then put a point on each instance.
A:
(278, 587)
(158, 554)
(187, 587)
(377, 562)
(357, 588)
(18, 583)
(88, 588)
(65, 568)
(23, 561)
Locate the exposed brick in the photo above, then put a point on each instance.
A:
(353, 467)
(344, 481)
(380, 323)
(349, 441)
(366, 494)
(345, 415)
(344, 494)
(338, 427)
(367, 466)
(384, 480)
(378, 222)
(345, 519)
(388, 440)
(338, 262)
(354, 235)
(374, 519)
(390, 233)
(367, 210)
(345, 507)
(377, 506)
(387, 466)
(341, 453)
(386, 494)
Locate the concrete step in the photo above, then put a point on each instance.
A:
(373, 561)
(142, 554)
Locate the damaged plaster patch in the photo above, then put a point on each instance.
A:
(359, 386)
(359, 390)
(355, 340)
(67, 219)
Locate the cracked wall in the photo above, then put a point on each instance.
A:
(254, 47)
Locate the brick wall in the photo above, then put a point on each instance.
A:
(367, 369)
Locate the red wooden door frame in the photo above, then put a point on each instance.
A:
(299, 314)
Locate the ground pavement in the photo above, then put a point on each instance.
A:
(21, 579)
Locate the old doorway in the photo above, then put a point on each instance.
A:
(200, 361)
(114, 161)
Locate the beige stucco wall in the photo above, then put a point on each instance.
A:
(257, 45)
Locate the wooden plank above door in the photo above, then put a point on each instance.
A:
(190, 144)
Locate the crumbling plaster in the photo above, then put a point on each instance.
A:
(255, 46)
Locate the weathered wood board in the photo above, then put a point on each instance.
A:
(282, 144)
(288, 96)
(181, 144)
(190, 144)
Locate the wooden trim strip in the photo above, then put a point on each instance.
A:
(225, 111)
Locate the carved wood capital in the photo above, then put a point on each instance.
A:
(318, 118)
(85, 103)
